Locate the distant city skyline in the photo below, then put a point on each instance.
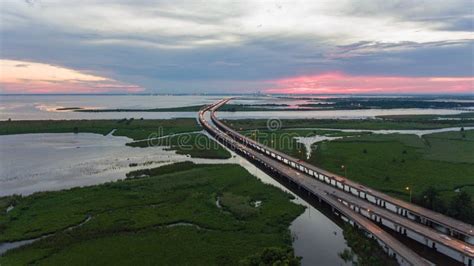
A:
(295, 47)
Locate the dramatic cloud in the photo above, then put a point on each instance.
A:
(235, 46)
(29, 77)
(334, 83)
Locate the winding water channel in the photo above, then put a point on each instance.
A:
(87, 159)
(310, 140)
(40, 162)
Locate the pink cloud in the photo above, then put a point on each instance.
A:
(34, 77)
(337, 82)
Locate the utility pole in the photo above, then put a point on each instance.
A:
(409, 190)
(345, 170)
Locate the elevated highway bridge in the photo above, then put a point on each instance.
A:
(357, 204)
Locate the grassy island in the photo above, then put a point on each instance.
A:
(176, 214)
(437, 168)
(176, 134)
(136, 129)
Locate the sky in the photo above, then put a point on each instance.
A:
(297, 47)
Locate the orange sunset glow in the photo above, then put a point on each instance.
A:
(283, 132)
(30, 77)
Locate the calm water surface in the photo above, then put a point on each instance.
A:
(44, 162)
(40, 107)
(39, 162)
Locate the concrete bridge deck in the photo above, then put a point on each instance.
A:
(425, 216)
(331, 192)
(404, 255)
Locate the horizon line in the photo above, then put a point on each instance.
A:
(251, 94)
